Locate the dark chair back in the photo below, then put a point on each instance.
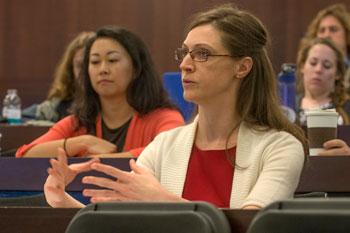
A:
(304, 216)
(37, 200)
(150, 217)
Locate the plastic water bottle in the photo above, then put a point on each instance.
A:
(286, 84)
(12, 107)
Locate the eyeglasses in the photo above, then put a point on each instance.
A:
(200, 54)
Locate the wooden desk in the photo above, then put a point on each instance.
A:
(44, 220)
(35, 220)
(29, 174)
(329, 174)
(14, 136)
(326, 174)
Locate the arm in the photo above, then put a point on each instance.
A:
(60, 175)
(114, 155)
(84, 144)
(279, 168)
(65, 128)
(335, 147)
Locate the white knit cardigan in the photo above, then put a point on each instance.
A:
(268, 163)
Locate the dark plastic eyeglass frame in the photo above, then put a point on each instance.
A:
(181, 50)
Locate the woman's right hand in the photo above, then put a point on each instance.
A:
(60, 175)
(335, 147)
(89, 145)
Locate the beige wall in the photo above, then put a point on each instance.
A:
(33, 33)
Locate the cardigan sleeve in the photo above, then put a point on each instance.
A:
(63, 129)
(279, 170)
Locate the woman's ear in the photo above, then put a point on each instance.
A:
(244, 66)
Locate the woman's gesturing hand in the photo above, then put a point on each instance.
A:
(140, 185)
(60, 175)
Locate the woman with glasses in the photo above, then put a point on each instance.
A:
(240, 151)
(120, 107)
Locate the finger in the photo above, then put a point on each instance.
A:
(138, 169)
(54, 173)
(116, 196)
(99, 193)
(107, 199)
(57, 167)
(134, 167)
(101, 182)
(85, 166)
(112, 171)
(334, 143)
(332, 152)
(61, 155)
(56, 177)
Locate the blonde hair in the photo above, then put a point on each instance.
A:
(63, 85)
(339, 12)
(339, 96)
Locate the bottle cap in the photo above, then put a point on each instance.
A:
(288, 67)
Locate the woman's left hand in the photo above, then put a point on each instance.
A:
(140, 185)
(335, 147)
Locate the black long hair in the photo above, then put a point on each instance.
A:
(145, 92)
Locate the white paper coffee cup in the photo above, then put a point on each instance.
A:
(321, 127)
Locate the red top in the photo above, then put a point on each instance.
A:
(209, 177)
(141, 131)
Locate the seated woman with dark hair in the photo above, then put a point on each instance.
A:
(121, 104)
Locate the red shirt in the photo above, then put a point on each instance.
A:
(141, 131)
(209, 177)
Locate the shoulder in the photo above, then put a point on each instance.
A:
(266, 135)
(163, 118)
(67, 122)
(267, 144)
(162, 113)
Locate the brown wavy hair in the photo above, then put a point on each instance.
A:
(63, 86)
(339, 12)
(339, 96)
(244, 35)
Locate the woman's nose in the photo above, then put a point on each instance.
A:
(319, 67)
(187, 63)
(104, 68)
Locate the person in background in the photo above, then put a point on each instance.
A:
(61, 93)
(240, 151)
(320, 74)
(121, 104)
(333, 22)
